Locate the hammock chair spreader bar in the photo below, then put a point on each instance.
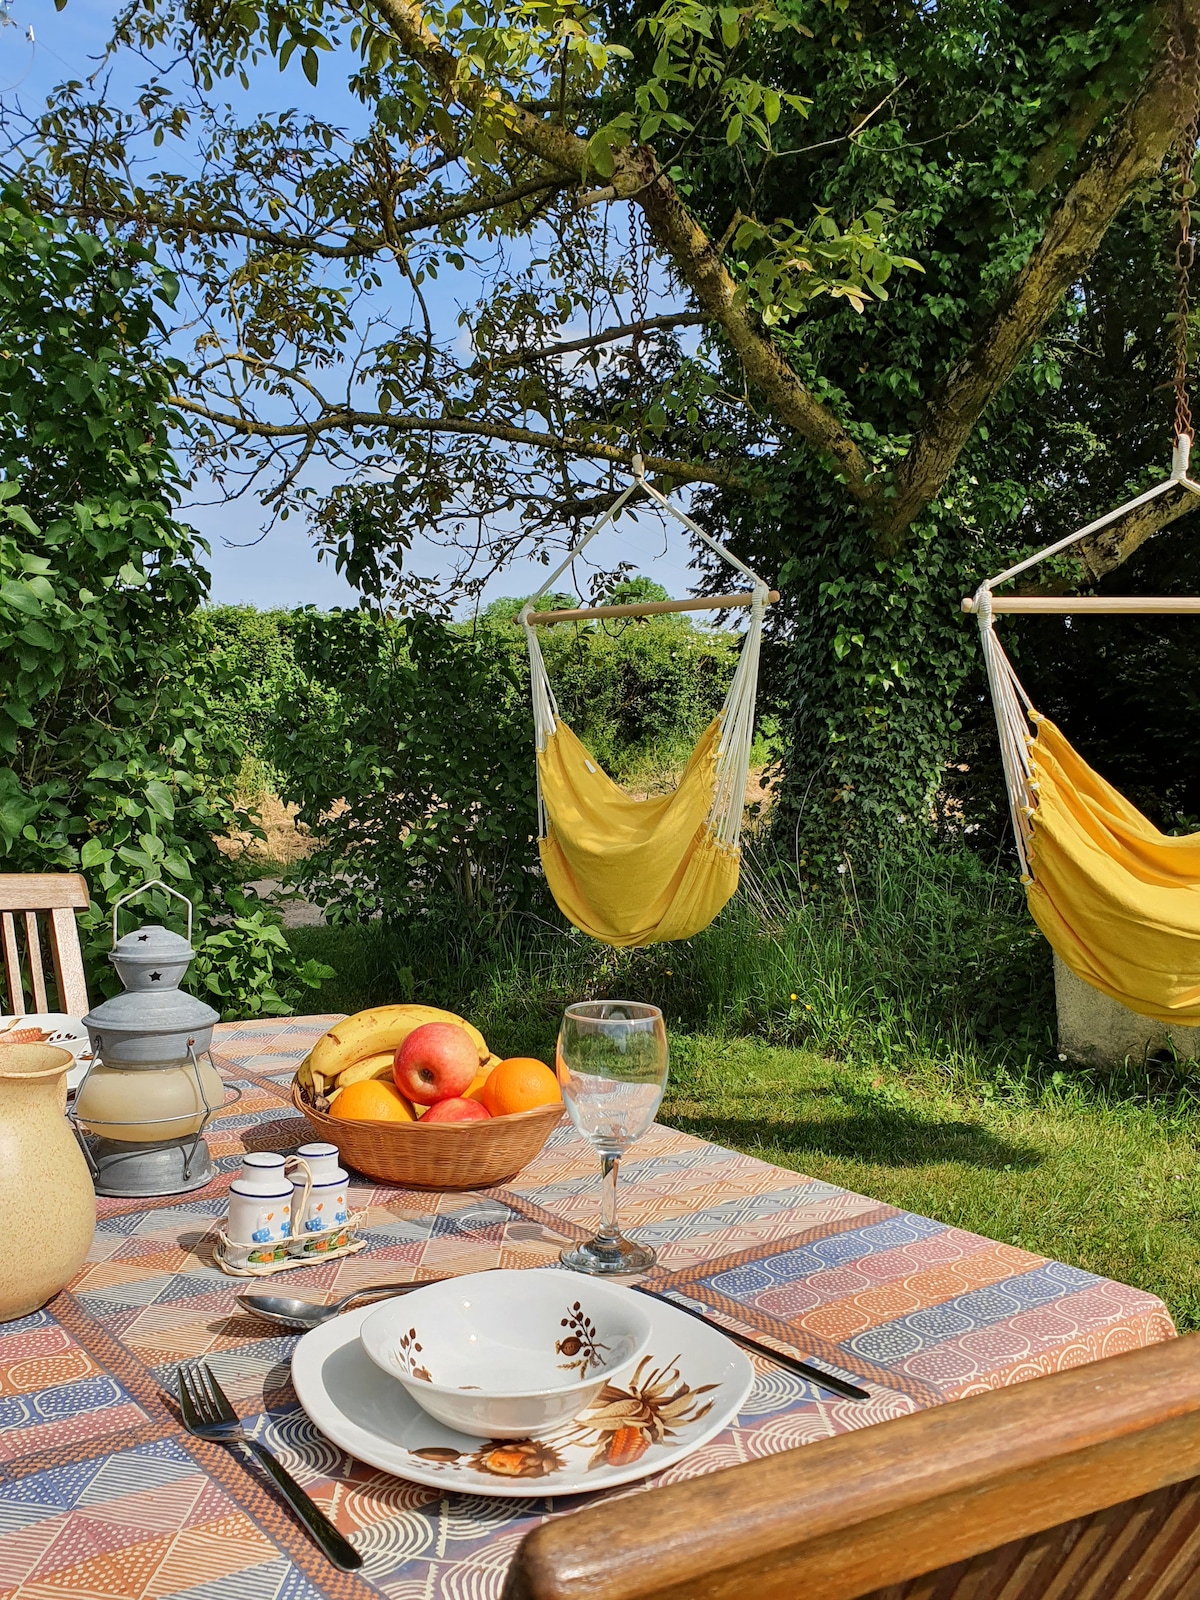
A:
(648, 608)
(1178, 479)
(1083, 605)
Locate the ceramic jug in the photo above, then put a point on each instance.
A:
(46, 1195)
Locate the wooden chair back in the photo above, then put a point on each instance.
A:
(56, 896)
(1078, 1486)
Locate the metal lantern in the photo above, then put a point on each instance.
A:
(152, 1089)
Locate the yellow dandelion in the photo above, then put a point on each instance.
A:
(793, 997)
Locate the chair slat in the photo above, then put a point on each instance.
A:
(27, 895)
(68, 962)
(42, 891)
(12, 964)
(33, 953)
(1178, 1576)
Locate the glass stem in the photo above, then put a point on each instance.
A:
(609, 1231)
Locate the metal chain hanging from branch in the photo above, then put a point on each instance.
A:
(1186, 70)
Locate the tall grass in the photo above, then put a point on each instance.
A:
(931, 955)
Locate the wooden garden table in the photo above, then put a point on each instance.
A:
(102, 1494)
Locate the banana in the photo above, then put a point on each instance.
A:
(371, 1032)
(376, 1066)
(304, 1075)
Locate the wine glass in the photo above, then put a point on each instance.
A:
(612, 1067)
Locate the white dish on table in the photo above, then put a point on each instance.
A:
(688, 1387)
(56, 1028)
(508, 1354)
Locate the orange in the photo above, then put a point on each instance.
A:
(520, 1084)
(474, 1090)
(372, 1100)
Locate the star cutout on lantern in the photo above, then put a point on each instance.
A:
(155, 976)
(143, 938)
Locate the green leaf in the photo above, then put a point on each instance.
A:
(93, 853)
(19, 595)
(161, 798)
(39, 637)
(600, 154)
(734, 131)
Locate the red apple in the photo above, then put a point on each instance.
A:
(436, 1062)
(457, 1110)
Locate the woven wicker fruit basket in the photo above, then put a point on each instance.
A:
(444, 1155)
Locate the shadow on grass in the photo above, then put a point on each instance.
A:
(877, 1135)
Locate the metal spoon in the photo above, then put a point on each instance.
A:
(294, 1313)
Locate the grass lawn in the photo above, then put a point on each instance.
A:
(1103, 1175)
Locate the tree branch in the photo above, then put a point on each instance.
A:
(525, 358)
(359, 247)
(636, 177)
(1105, 551)
(1135, 149)
(345, 418)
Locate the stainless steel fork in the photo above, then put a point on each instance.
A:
(208, 1414)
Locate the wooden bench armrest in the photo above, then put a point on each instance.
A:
(839, 1518)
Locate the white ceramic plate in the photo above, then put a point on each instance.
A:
(689, 1387)
(66, 1033)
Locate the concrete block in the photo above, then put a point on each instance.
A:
(1096, 1031)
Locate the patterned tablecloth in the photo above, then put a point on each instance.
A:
(103, 1494)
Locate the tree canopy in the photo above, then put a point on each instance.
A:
(829, 262)
(785, 168)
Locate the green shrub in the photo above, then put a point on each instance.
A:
(109, 765)
(248, 661)
(405, 746)
(408, 745)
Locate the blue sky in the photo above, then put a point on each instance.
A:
(278, 567)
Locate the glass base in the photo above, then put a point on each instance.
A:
(608, 1257)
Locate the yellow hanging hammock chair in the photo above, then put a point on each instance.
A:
(642, 871)
(1118, 900)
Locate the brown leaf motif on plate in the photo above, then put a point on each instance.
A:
(621, 1424)
(503, 1458)
(650, 1411)
(580, 1345)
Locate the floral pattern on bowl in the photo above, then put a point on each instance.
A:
(581, 1346)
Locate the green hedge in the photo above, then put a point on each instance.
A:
(423, 730)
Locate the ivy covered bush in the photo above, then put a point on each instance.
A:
(108, 763)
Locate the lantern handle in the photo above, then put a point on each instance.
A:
(155, 883)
